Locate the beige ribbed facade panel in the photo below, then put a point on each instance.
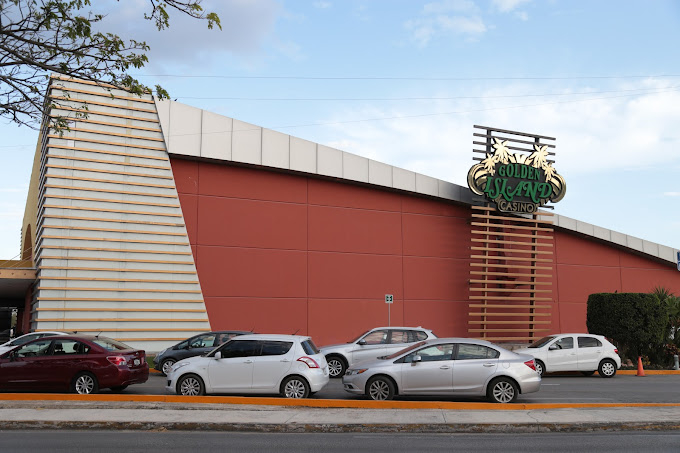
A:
(112, 250)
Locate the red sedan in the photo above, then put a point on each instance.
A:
(77, 363)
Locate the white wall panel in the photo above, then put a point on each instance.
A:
(216, 136)
(275, 149)
(302, 155)
(354, 167)
(184, 130)
(329, 161)
(246, 144)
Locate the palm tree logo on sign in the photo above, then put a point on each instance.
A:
(517, 182)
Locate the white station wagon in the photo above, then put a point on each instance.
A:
(290, 365)
(582, 352)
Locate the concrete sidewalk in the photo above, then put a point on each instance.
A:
(81, 413)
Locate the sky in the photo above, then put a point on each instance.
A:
(404, 82)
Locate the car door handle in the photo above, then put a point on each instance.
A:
(284, 360)
(444, 367)
(489, 364)
(247, 361)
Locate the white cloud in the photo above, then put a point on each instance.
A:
(671, 194)
(595, 136)
(246, 27)
(522, 15)
(506, 6)
(460, 6)
(445, 18)
(462, 25)
(423, 30)
(322, 5)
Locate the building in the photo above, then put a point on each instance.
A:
(150, 221)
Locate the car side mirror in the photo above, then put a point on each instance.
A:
(553, 347)
(416, 359)
(12, 356)
(361, 342)
(218, 355)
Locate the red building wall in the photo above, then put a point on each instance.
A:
(283, 253)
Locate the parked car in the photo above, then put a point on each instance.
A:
(196, 345)
(290, 365)
(23, 339)
(446, 366)
(77, 363)
(369, 345)
(582, 352)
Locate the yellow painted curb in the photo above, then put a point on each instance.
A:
(650, 372)
(317, 403)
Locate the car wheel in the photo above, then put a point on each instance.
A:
(118, 388)
(85, 384)
(607, 368)
(380, 389)
(166, 365)
(294, 387)
(336, 366)
(503, 390)
(190, 385)
(587, 373)
(540, 367)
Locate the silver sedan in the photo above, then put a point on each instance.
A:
(446, 366)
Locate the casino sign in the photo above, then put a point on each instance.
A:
(517, 182)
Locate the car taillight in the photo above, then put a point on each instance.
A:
(531, 364)
(616, 351)
(309, 361)
(117, 360)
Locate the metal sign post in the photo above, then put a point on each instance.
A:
(389, 299)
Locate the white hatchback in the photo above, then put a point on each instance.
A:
(582, 352)
(290, 365)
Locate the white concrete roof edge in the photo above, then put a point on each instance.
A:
(327, 161)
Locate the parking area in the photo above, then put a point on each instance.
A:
(565, 388)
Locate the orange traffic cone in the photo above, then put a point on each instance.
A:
(640, 371)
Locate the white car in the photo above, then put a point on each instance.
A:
(582, 352)
(290, 365)
(446, 366)
(18, 341)
(370, 345)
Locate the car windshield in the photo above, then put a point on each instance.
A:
(111, 345)
(405, 350)
(542, 342)
(357, 338)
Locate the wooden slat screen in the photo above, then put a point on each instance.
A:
(510, 275)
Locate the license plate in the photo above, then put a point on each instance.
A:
(136, 362)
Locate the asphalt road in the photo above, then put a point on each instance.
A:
(54, 441)
(554, 389)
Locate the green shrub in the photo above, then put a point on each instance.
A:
(636, 321)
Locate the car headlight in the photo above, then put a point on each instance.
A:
(351, 372)
(157, 356)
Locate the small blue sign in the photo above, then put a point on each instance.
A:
(679, 261)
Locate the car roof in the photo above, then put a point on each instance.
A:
(267, 336)
(83, 337)
(402, 327)
(48, 332)
(243, 332)
(581, 334)
(460, 340)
